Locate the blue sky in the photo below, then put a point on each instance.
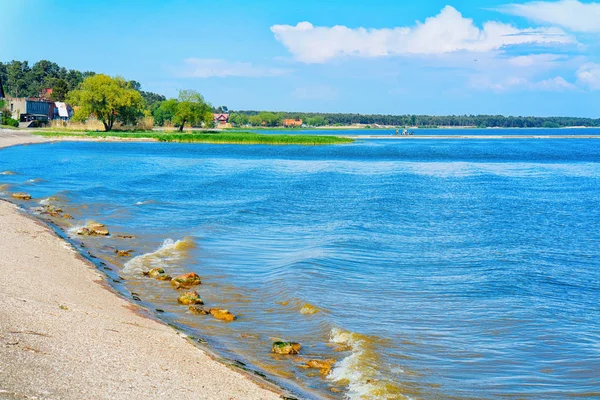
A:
(436, 57)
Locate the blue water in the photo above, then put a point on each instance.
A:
(443, 268)
(441, 131)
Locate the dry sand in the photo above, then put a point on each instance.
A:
(64, 334)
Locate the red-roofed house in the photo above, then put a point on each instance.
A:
(221, 119)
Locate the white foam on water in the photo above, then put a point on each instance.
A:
(168, 253)
(75, 228)
(357, 371)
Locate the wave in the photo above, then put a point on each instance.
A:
(360, 370)
(169, 253)
(141, 203)
(75, 228)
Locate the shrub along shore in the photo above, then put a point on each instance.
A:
(206, 137)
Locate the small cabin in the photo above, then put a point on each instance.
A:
(221, 119)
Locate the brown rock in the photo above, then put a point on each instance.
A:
(123, 253)
(93, 229)
(157, 273)
(286, 348)
(188, 298)
(223, 315)
(126, 236)
(186, 281)
(67, 216)
(21, 196)
(198, 310)
(324, 366)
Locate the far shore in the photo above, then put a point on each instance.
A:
(65, 334)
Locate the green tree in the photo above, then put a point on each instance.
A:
(238, 119)
(316, 121)
(164, 111)
(60, 90)
(108, 99)
(192, 109)
(255, 120)
(270, 119)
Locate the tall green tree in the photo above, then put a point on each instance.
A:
(60, 90)
(108, 99)
(192, 109)
(164, 111)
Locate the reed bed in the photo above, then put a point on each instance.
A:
(216, 137)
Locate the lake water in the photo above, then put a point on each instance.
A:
(439, 132)
(439, 268)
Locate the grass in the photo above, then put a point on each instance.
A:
(208, 137)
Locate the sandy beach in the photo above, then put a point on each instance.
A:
(65, 334)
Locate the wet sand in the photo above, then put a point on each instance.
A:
(65, 334)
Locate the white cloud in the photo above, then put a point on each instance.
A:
(533, 60)
(589, 75)
(445, 33)
(209, 67)
(571, 14)
(557, 84)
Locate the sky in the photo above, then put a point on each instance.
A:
(537, 58)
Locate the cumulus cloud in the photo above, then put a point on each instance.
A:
(589, 76)
(445, 33)
(209, 67)
(570, 14)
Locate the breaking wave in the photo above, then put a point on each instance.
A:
(169, 253)
(359, 371)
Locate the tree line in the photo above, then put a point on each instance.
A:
(265, 118)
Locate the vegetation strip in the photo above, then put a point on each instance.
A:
(208, 137)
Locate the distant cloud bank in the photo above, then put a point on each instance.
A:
(447, 32)
(569, 14)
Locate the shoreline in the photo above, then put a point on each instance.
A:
(67, 334)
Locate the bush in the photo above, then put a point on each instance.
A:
(10, 122)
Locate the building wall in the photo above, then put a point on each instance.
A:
(16, 106)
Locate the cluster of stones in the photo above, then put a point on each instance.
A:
(190, 298)
(93, 229)
(55, 212)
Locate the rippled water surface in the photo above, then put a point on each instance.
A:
(428, 269)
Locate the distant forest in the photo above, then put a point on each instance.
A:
(424, 121)
(23, 80)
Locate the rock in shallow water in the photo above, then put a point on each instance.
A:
(93, 229)
(21, 196)
(286, 348)
(123, 253)
(324, 366)
(157, 273)
(188, 298)
(198, 310)
(223, 315)
(186, 281)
